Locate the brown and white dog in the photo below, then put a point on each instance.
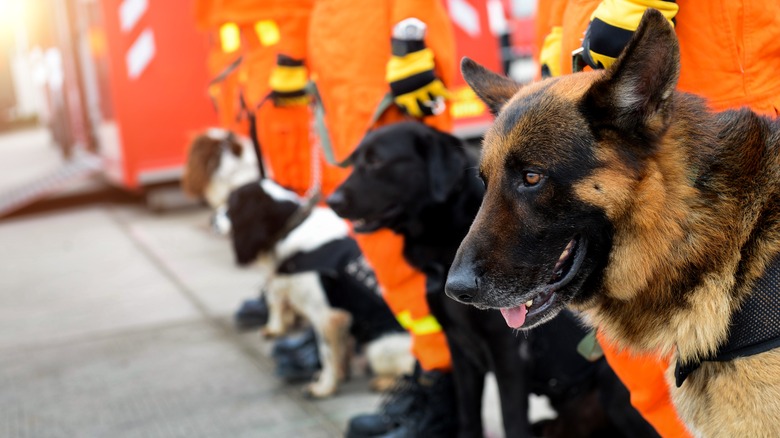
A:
(218, 162)
(612, 193)
(316, 270)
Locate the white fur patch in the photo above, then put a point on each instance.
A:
(217, 134)
(321, 227)
(627, 95)
(221, 221)
(233, 172)
(278, 192)
(391, 355)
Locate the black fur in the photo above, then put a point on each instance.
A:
(257, 221)
(423, 184)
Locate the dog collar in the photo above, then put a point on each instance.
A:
(754, 328)
(298, 217)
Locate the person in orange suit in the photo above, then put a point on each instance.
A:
(224, 52)
(729, 53)
(282, 126)
(357, 52)
(245, 36)
(345, 46)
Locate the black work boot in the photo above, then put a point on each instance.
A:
(401, 399)
(437, 416)
(297, 357)
(253, 313)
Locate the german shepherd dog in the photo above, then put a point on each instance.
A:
(610, 192)
(423, 184)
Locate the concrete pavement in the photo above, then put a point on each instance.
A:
(116, 322)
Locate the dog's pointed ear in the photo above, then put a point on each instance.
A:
(493, 89)
(635, 93)
(445, 158)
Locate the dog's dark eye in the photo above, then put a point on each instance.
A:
(530, 179)
(370, 159)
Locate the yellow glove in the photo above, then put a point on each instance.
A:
(550, 56)
(612, 25)
(413, 83)
(288, 82)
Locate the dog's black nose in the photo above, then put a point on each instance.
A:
(462, 285)
(337, 201)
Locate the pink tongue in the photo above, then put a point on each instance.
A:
(515, 317)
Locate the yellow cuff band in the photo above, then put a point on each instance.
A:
(267, 32)
(286, 79)
(400, 67)
(229, 37)
(626, 14)
(550, 54)
(426, 325)
(423, 94)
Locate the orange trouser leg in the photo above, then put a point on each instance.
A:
(283, 134)
(644, 376)
(405, 295)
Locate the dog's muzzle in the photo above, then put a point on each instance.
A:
(462, 287)
(462, 281)
(337, 202)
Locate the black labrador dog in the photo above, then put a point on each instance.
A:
(423, 184)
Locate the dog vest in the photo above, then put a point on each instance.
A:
(349, 284)
(754, 328)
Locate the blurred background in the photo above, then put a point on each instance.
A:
(115, 297)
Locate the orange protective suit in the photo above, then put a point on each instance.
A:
(729, 52)
(349, 47)
(264, 28)
(283, 132)
(210, 17)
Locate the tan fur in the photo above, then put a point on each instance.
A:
(202, 162)
(218, 162)
(732, 390)
(653, 215)
(665, 216)
(331, 325)
(389, 356)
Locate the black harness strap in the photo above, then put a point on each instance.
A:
(297, 218)
(252, 118)
(754, 328)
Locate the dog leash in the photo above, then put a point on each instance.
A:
(314, 194)
(244, 111)
(252, 118)
(322, 129)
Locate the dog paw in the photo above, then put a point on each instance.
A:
(382, 383)
(270, 333)
(319, 390)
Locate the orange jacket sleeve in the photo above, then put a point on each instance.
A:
(644, 377)
(203, 10)
(292, 17)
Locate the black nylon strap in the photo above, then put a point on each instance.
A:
(298, 217)
(286, 61)
(414, 82)
(605, 39)
(754, 328)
